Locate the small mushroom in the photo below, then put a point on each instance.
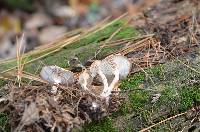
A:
(57, 75)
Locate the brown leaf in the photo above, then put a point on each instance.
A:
(30, 115)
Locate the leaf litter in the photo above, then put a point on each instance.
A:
(71, 107)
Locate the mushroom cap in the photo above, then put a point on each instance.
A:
(57, 75)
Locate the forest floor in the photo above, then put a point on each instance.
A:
(163, 91)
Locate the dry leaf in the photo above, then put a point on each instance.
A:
(30, 115)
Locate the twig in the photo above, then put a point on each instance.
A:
(97, 25)
(103, 27)
(131, 90)
(145, 73)
(110, 38)
(124, 40)
(170, 118)
(52, 50)
(189, 67)
(76, 107)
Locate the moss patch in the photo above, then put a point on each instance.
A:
(189, 97)
(104, 126)
(172, 83)
(2, 83)
(133, 82)
(3, 122)
(85, 47)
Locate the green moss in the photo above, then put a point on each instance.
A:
(126, 32)
(104, 126)
(169, 97)
(85, 47)
(3, 122)
(108, 50)
(3, 119)
(2, 83)
(138, 100)
(99, 36)
(171, 82)
(189, 96)
(128, 129)
(156, 71)
(133, 81)
(125, 109)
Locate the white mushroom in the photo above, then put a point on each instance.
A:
(57, 75)
(116, 65)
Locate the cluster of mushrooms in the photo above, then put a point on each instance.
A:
(72, 98)
(107, 71)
